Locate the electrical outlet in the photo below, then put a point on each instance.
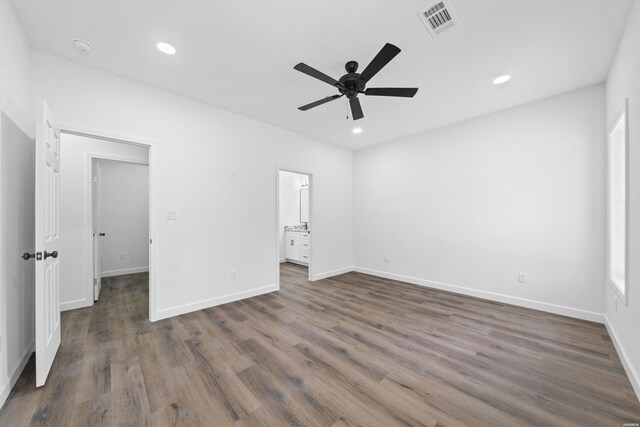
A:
(123, 255)
(234, 173)
(522, 277)
(233, 274)
(386, 258)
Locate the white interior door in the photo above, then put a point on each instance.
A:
(97, 227)
(47, 238)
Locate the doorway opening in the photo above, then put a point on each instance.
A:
(120, 202)
(105, 223)
(294, 228)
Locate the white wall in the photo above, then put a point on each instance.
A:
(16, 95)
(224, 223)
(124, 218)
(289, 204)
(75, 207)
(17, 277)
(469, 206)
(623, 83)
(17, 128)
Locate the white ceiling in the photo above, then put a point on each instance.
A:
(239, 55)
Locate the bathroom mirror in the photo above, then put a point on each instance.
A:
(304, 205)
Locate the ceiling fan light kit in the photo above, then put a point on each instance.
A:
(353, 83)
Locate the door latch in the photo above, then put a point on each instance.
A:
(27, 256)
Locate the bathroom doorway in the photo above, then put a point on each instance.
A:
(294, 228)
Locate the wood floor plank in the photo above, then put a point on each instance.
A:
(352, 350)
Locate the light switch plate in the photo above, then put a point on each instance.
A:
(171, 214)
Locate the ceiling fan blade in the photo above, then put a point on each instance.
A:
(406, 92)
(356, 108)
(386, 54)
(310, 71)
(319, 102)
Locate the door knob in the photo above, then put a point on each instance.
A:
(27, 256)
(102, 234)
(53, 254)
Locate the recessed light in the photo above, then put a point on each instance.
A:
(357, 130)
(82, 46)
(501, 79)
(166, 48)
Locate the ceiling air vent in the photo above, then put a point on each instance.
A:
(438, 18)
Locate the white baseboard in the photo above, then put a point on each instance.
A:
(634, 378)
(331, 273)
(14, 374)
(293, 261)
(283, 260)
(124, 271)
(77, 303)
(522, 302)
(201, 305)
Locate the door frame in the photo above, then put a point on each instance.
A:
(89, 206)
(71, 129)
(279, 169)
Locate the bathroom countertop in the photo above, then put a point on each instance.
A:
(295, 228)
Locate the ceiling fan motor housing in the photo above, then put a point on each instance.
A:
(351, 81)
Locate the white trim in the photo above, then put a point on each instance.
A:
(633, 375)
(280, 168)
(278, 231)
(282, 260)
(76, 303)
(88, 209)
(332, 273)
(212, 302)
(293, 261)
(110, 136)
(124, 271)
(623, 295)
(522, 302)
(14, 374)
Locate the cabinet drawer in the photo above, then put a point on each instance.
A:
(304, 258)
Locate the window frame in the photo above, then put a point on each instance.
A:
(623, 294)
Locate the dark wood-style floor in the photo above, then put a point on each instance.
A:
(352, 350)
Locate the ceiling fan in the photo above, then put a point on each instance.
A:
(353, 83)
